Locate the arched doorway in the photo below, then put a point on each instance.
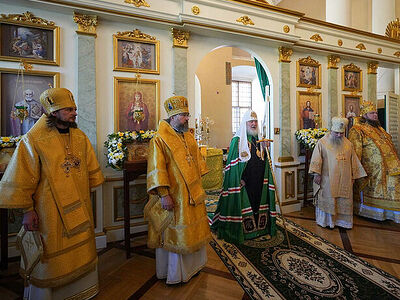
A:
(229, 85)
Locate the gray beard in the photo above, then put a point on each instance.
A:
(336, 141)
(252, 132)
(182, 127)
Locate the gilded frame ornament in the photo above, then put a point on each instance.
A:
(136, 52)
(351, 107)
(124, 91)
(351, 78)
(33, 80)
(308, 73)
(306, 111)
(29, 38)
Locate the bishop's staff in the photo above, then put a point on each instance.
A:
(276, 194)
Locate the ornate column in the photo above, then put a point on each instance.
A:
(86, 75)
(372, 81)
(180, 46)
(333, 104)
(286, 167)
(285, 143)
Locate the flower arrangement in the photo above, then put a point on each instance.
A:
(116, 145)
(309, 137)
(9, 141)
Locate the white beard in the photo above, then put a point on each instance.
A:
(252, 132)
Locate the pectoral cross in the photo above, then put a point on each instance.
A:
(340, 156)
(189, 158)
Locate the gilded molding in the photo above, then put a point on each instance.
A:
(286, 29)
(372, 66)
(181, 38)
(333, 60)
(86, 23)
(138, 3)
(339, 42)
(352, 67)
(361, 46)
(285, 159)
(316, 37)
(393, 29)
(135, 34)
(245, 20)
(27, 17)
(195, 10)
(397, 54)
(308, 60)
(27, 67)
(285, 54)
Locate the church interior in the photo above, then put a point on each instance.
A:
(317, 58)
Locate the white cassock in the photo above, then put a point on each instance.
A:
(177, 267)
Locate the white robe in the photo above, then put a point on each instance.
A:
(178, 268)
(83, 288)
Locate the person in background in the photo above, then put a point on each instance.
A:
(335, 166)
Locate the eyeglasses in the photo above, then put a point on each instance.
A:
(184, 115)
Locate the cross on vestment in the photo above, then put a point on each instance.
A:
(189, 158)
(340, 156)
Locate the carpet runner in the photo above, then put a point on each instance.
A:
(312, 269)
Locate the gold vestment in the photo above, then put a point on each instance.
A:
(40, 176)
(338, 166)
(175, 162)
(378, 156)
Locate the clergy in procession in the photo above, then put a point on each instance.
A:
(335, 166)
(246, 206)
(49, 176)
(174, 170)
(378, 195)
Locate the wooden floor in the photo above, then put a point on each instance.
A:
(376, 242)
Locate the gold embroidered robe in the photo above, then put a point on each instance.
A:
(338, 167)
(175, 162)
(36, 178)
(378, 156)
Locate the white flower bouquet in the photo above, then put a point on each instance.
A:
(116, 145)
(309, 137)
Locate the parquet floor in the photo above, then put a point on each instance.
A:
(376, 242)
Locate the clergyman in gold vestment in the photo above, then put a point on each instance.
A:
(335, 166)
(174, 171)
(378, 195)
(50, 176)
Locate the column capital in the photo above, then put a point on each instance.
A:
(181, 38)
(372, 66)
(285, 54)
(333, 60)
(86, 23)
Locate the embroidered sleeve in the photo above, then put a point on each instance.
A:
(316, 160)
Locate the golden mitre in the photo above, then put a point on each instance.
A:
(176, 105)
(57, 98)
(366, 107)
(339, 124)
